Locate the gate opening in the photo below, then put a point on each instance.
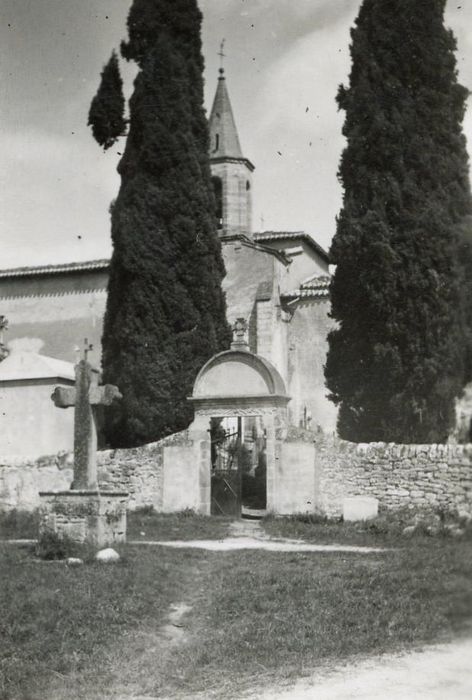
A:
(238, 466)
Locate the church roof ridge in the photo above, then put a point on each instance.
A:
(30, 271)
(265, 236)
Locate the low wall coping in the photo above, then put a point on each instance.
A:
(72, 492)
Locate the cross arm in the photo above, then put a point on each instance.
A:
(64, 397)
(104, 395)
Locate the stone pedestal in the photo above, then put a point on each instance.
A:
(96, 518)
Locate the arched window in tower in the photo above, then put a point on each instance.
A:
(218, 190)
(248, 185)
(217, 142)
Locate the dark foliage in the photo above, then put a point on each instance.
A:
(52, 546)
(166, 312)
(254, 488)
(106, 115)
(465, 257)
(18, 524)
(399, 356)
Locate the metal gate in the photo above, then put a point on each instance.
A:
(225, 472)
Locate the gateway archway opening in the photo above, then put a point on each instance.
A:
(238, 466)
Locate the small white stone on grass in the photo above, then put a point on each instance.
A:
(74, 561)
(433, 530)
(408, 531)
(107, 555)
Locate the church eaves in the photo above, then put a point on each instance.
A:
(86, 266)
(271, 236)
(315, 287)
(224, 139)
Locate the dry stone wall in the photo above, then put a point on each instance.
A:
(138, 471)
(326, 471)
(420, 477)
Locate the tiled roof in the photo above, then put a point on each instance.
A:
(268, 236)
(317, 282)
(316, 287)
(55, 269)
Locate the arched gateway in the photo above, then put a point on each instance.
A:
(240, 405)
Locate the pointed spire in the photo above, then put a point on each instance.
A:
(230, 170)
(224, 139)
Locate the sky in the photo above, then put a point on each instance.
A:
(284, 62)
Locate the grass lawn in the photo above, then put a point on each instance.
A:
(143, 524)
(146, 524)
(18, 524)
(385, 530)
(256, 617)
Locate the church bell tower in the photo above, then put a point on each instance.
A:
(231, 172)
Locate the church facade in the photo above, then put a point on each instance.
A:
(277, 281)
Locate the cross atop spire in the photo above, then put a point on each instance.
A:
(222, 55)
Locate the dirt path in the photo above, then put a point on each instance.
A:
(436, 673)
(248, 534)
(234, 543)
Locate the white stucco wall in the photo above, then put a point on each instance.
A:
(308, 347)
(30, 424)
(295, 479)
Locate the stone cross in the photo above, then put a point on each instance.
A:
(239, 335)
(86, 396)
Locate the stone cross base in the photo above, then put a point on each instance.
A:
(96, 518)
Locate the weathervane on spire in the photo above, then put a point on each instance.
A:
(222, 55)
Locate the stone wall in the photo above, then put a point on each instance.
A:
(162, 474)
(138, 471)
(21, 480)
(312, 474)
(420, 477)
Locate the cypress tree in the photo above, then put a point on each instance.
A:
(106, 115)
(398, 358)
(166, 312)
